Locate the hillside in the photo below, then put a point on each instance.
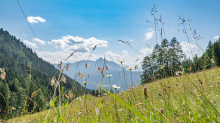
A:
(173, 99)
(15, 58)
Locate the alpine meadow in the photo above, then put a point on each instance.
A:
(109, 61)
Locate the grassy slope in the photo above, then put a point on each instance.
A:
(176, 100)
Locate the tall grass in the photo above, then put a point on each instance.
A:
(182, 98)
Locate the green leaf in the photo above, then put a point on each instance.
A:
(66, 104)
(52, 103)
(100, 104)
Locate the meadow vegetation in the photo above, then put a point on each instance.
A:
(174, 88)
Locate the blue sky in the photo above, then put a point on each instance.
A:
(67, 25)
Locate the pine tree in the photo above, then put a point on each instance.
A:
(216, 53)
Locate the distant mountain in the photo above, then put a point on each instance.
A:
(95, 76)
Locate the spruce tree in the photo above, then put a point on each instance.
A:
(216, 53)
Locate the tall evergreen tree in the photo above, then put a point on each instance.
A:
(216, 53)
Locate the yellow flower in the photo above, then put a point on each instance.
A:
(66, 96)
(121, 61)
(85, 83)
(130, 68)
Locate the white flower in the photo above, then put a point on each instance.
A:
(115, 87)
(109, 75)
(79, 113)
(85, 83)
(161, 66)
(121, 61)
(178, 73)
(78, 98)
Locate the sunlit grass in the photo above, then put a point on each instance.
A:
(173, 99)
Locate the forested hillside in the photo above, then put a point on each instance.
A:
(167, 59)
(21, 64)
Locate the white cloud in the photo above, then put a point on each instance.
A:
(71, 43)
(216, 37)
(40, 42)
(131, 40)
(186, 47)
(149, 35)
(32, 19)
(116, 57)
(146, 51)
(30, 44)
(172, 29)
(23, 34)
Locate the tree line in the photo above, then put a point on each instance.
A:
(167, 59)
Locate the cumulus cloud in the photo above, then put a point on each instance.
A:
(146, 51)
(40, 42)
(71, 43)
(28, 43)
(186, 47)
(116, 57)
(216, 37)
(131, 40)
(149, 35)
(32, 19)
(23, 34)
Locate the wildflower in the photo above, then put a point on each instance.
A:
(109, 76)
(63, 79)
(79, 113)
(178, 73)
(81, 75)
(52, 81)
(60, 65)
(136, 67)
(13, 108)
(101, 69)
(78, 98)
(130, 68)
(115, 87)
(106, 67)
(145, 92)
(3, 74)
(71, 96)
(161, 66)
(19, 107)
(105, 94)
(121, 61)
(85, 83)
(212, 74)
(66, 96)
(62, 70)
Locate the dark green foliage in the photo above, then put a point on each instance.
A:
(172, 55)
(14, 57)
(216, 53)
(162, 61)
